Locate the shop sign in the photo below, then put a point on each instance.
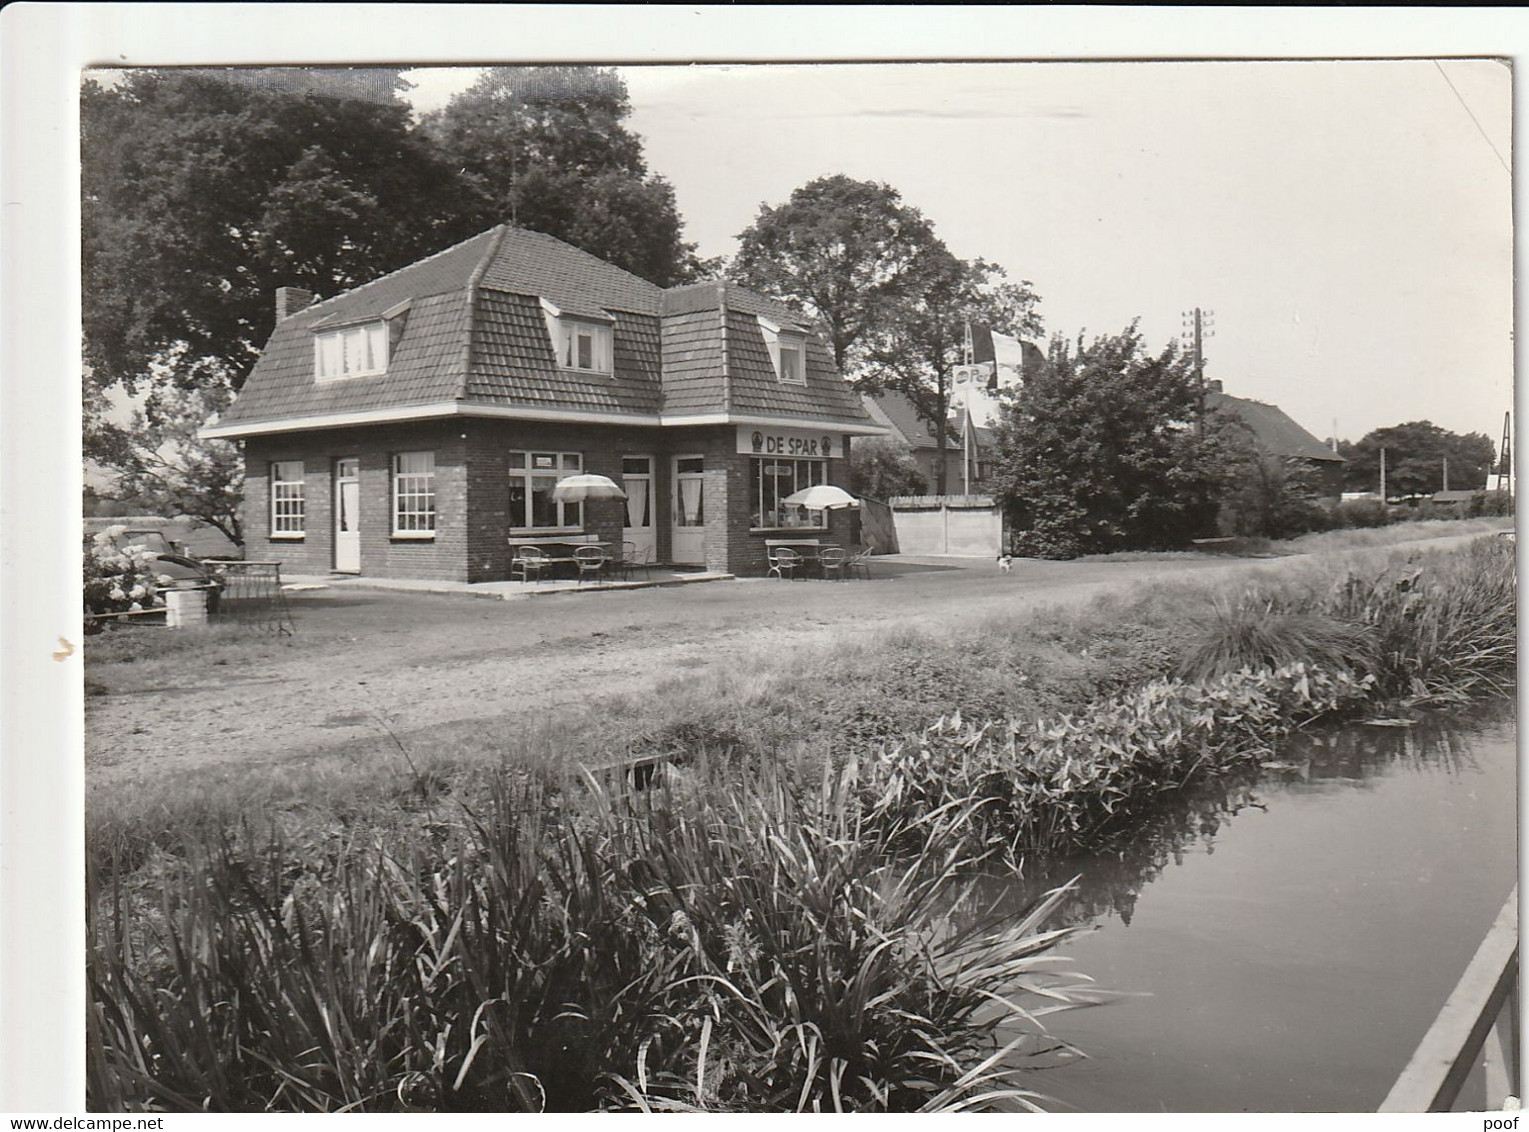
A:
(760, 440)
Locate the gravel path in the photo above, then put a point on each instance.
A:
(433, 664)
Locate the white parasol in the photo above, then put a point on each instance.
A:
(577, 489)
(821, 497)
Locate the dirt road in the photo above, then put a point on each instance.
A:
(428, 663)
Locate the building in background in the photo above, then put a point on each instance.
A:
(1275, 434)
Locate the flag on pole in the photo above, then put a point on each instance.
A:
(1007, 355)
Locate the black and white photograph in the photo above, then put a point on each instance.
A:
(732, 584)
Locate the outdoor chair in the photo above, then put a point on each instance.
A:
(783, 562)
(859, 561)
(528, 561)
(832, 559)
(590, 560)
(633, 559)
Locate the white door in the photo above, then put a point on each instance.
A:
(347, 514)
(689, 512)
(639, 529)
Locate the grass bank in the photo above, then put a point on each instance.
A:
(763, 937)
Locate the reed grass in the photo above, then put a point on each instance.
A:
(757, 948)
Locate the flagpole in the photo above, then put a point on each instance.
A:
(968, 353)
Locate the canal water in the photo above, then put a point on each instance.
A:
(1291, 935)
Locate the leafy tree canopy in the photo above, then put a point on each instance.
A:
(161, 464)
(200, 197)
(1415, 455)
(548, 148)
(1098, 451)
(892, 298)
(882, 466)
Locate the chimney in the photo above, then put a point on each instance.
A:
(290, 300)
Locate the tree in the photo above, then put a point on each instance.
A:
(920, 338)
(841, 251)
(892, 298)
(548, 149)
(881, 467)
(201, 196)
(1415, 455)
(1098, 452)
(1266, 495)
(160, 462)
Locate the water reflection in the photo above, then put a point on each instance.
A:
(1353, 756)
(1286, 934)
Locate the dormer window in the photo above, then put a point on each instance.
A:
(578, 343)
(351, 351)
(788, 352)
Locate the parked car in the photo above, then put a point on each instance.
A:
(171, 561)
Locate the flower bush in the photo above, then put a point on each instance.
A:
(120, 580)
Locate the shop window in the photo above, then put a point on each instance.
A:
(771, 480)
(533, 476)
(287, 503)
(414, 495)
(351, 351)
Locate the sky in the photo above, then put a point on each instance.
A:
(1348, 223)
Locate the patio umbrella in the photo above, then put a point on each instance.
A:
(576, 489)
(820, 497)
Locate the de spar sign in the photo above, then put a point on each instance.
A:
(761, 440)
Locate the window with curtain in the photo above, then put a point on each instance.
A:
(690, 485)
(352, 351)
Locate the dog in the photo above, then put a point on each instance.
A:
(1005, 563)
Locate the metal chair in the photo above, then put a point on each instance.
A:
(832, 560)
(528, 560)
(590, 560)
(861, 561)
(783, 561)
(633, 559)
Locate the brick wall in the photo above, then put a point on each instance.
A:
(472, 494)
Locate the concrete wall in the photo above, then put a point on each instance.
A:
(929, 526)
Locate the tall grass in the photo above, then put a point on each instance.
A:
(756, 948)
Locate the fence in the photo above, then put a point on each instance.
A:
(250, 594)
(967, 525)
(1481, 1013)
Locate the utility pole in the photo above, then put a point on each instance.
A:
(1197, 326)
(1446, 473)
(1383, 475)
(1505, 455)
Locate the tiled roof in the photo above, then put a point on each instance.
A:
(901, 414)
(1273, 430)
(512, 361)
(531, 263)
(757, 391)
(474, 331)
(692, 357)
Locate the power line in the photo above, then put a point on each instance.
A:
(1483, 133)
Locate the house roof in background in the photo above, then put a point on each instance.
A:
(472, 332)
(896, 411)
(1273, 430)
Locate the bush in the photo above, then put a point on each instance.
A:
(119, 581)
(1351, 513)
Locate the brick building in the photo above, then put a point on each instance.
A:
(414, 425)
